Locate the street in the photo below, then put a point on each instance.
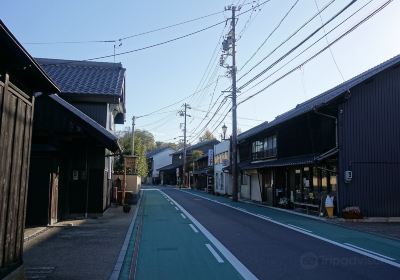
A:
(251, 242)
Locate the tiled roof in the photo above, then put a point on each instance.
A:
(198, 146)
(85, 77)
(322, 99)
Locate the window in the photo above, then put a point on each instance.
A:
(265, 149)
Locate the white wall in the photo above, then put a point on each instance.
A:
(255, 187)
(218, 173)
(161, 159)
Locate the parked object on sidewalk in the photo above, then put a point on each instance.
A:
(329, 205)
(352, 212)
(126, 208)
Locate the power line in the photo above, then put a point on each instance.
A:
(243, 118)
(295, 47)
(309, 47)
(320, 52)
(147, 47)
(327, 41)
(270, 34)
(129, 36)
(287, 39)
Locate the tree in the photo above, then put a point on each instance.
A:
(140, 152)
(207, 136)
(144, 141)
(160, 144)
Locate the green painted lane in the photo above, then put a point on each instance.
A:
(380, 247)
(170, 247)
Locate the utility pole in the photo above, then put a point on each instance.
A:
(230, 44)
(183, 113)
(133, 135)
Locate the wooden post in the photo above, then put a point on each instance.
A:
(124, 184)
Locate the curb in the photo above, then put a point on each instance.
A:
(118, 265)
(36, 234)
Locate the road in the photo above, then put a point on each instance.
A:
(252, 242)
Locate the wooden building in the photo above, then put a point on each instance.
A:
(21, 79)
(172, 173)
(344, 141)
(73, 141)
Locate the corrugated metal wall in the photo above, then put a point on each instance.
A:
(369, 133)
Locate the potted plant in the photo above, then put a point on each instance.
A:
(352, 212)
(126, 208)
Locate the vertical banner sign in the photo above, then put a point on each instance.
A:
(210, 157)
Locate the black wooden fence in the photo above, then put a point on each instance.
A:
(16, 114)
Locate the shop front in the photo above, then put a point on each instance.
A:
(298, 183)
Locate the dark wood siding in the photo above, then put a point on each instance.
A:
(369, 134)
(15, 142)
(97, 111)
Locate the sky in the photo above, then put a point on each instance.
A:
(189, 68)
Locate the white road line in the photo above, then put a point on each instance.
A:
(361, 252)
(240, 268)
(194, 229)
(300, 228)
(171, 203)
(264, 217)
(177, 209)
(183, 216)
(215, 254)
(372, 252)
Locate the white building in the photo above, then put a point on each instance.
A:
(222, 180)
(159, 158)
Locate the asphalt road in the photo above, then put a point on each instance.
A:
(271, 251)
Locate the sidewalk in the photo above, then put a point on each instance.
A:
(78, 249)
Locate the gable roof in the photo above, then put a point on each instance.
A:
(322, 99)
(24, 71)
(85, 77)
(109, 140)
(152, 153)
(198, 146)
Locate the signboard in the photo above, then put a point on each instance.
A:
(210, 157)
(130, 165)
(75, 175)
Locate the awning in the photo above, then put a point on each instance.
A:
(327, 154)
(301, 160)
(170, 167)
(93, 128)
(200, 171)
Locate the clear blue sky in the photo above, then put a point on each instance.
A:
(160, 76)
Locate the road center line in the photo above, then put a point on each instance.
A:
(344, 246)
(214, 253)
(372, 252)
(194, 229)
(177, 209)
(240, 268)
(183, 216)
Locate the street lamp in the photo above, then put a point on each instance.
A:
(224, 131)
